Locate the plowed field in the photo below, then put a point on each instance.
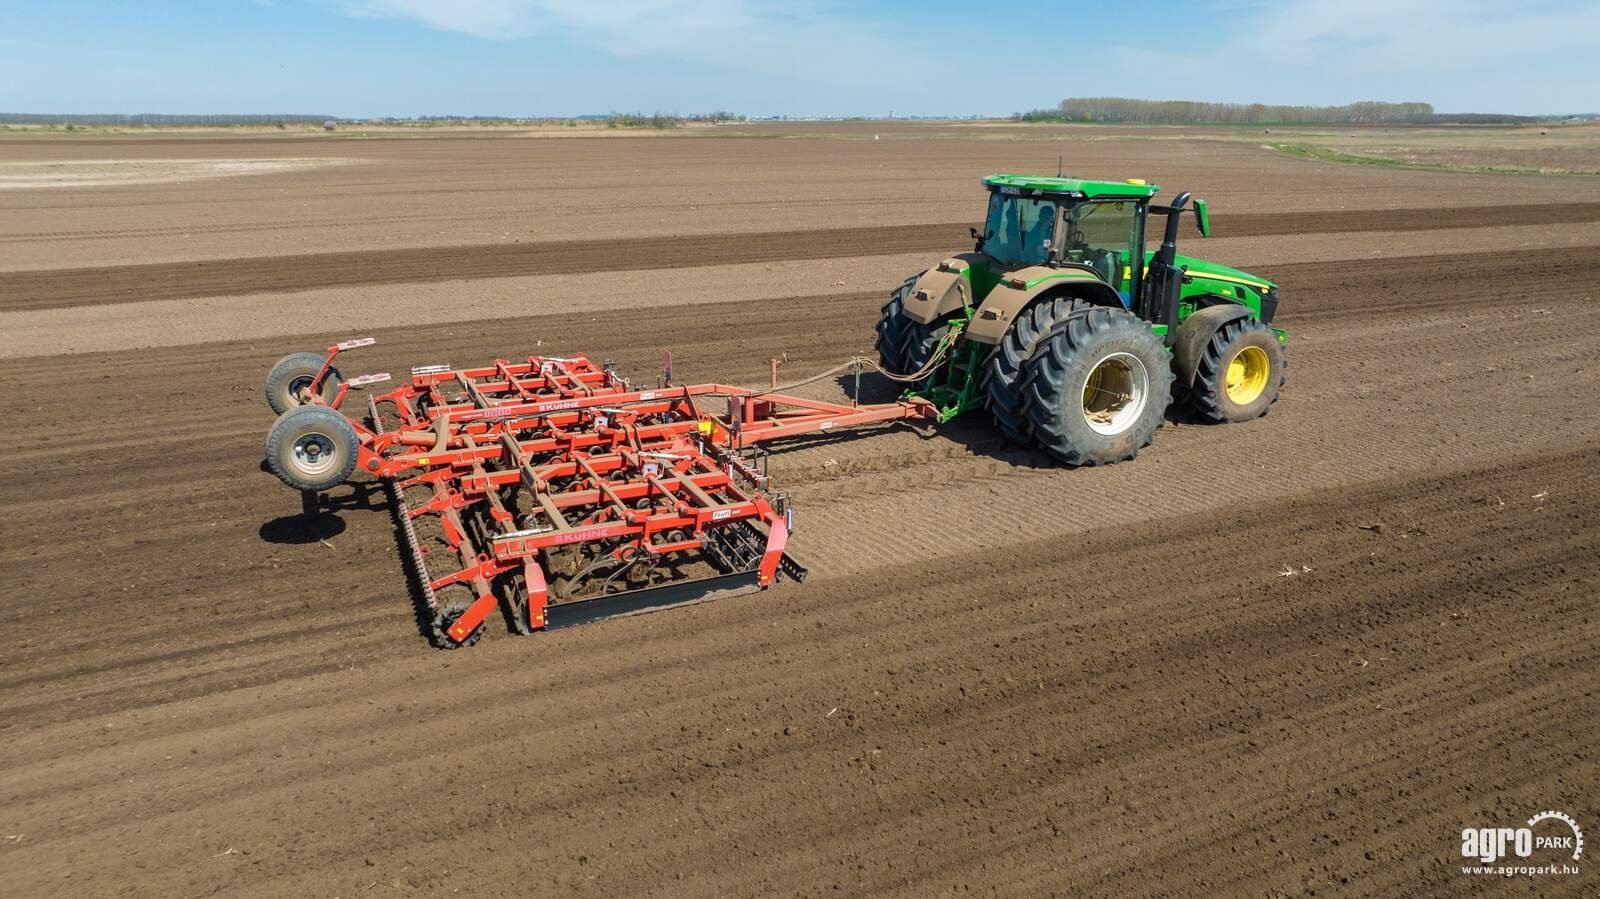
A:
(1293, 656)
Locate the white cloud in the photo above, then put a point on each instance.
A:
(1401, 36)
(810, 41)
(1460, 55)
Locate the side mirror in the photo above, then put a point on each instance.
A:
(1202, 219)
(974, 233)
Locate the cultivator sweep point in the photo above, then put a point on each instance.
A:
(552, 489)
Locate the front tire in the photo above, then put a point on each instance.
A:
(1240, 373)
(1096, 387)
(312, 448)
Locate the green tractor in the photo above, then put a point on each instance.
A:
(1075, 337)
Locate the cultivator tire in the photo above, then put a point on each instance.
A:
(293, 374)
(1096, 387)
(1003, 372)
(312, 448)
(1240, 373)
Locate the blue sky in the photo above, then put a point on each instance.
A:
(795, 57)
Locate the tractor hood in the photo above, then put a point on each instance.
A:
(1201, 268)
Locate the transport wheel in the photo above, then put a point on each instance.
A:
(312, 448)
(292, 376)
(1096, 387)
(1240, 373)
(904, 346)
(1003, 373)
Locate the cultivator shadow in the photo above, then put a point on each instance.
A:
(552, 489)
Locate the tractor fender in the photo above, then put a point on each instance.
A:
(1021, 288)
(1196, 332)
(941, 290)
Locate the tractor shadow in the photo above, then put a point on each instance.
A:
(974, 431)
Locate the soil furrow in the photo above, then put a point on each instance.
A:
(58, 288)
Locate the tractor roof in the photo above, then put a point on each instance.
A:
(1076, 188)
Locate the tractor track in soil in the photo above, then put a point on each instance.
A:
(1120, 691)
(109, 285)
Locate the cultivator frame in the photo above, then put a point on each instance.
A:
(553, 489)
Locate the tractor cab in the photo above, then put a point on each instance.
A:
(1097, 226)
(1044, 229)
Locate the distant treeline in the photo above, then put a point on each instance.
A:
(30, 118)
(1189, 112)
(662, 119)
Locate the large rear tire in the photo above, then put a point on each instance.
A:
(1240, 373)
(905, 346)
(312, 448)
(891, 328)
(291, 377)
(1096, 387)
(1003, 373)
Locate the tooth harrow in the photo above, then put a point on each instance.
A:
(553, 489)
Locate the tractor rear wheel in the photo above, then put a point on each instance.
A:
(1003, 373)
(1240, 373)
(1096, 387)
(905, 346)
(312, 448)
(891, 325)
(291, 377)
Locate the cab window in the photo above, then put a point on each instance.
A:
(1103, 234)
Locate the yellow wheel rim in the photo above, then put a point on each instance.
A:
(1248, 372)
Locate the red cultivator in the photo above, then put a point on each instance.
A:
(554, 490)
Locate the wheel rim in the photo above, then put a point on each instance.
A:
(1247, 375)
(314, 455)
(299, 389)
(1115, 393)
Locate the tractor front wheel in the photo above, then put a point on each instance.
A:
(312, 448)
(1096, 387)
(1240, 373)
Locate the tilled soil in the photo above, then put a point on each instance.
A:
(1294, 656)
(58, 288)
